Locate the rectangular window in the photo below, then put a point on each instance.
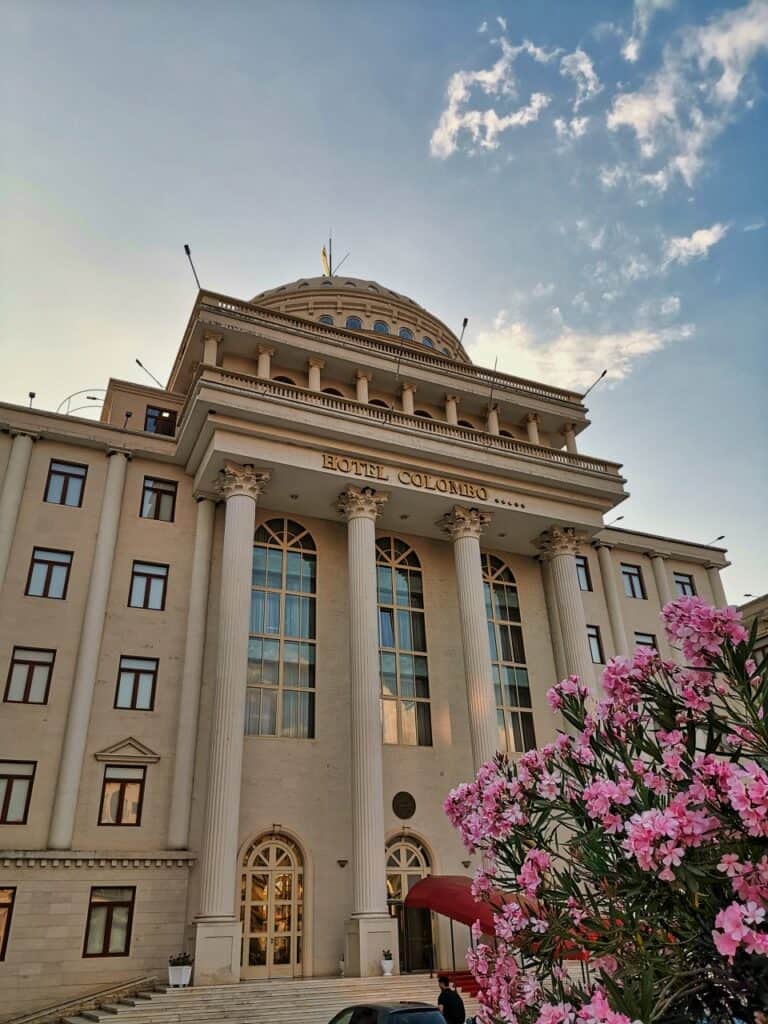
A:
(16, 778)
(646, 640)
(160, 421)
(158, 499)
(582, 571)
(136, 682)
(633, 581)
(7, 897)
(49, 573)
(110, 916)
(595, 645)
(148, 586)
(65, 483)
(684, 585)
(122, 795)
(29, 676)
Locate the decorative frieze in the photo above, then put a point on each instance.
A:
(560, 540)
(237, 479)
(95, 859)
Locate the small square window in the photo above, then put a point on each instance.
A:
(160, 421)
(7, 899)
(684, 585)
(122, 795)
(158, 499)
(595, 645)
(29, 676)
(633, 581)
(148, 586)
(65, 483)
(109, 922)
(49, 573)
(16, 778)
(582, 572)
(646, 640)
(136, 682)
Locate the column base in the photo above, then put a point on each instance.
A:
(365, 938)
(217, 951)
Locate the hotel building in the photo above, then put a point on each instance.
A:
(254, 626)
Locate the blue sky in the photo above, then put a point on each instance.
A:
(585, 181)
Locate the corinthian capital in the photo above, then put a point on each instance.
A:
(237, 479)
(464, 522)
(559, 540)
(360, 502)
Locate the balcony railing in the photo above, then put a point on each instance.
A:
(395, 349)
(272, 390)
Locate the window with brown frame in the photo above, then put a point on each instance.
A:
(65, 483)
(148, 586)
(16, 778)
(136, 681)
(583, 573)
(160, 421)
(158, 499)
(7, 898)
(29, 676)
(122, 795)
(634, 586)
(109, 922)
(684, 585)
(49, 573)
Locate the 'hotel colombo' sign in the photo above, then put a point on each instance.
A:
(408, 477)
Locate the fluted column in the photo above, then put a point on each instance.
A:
(492, 422)
(191, 679)
(553, 618)
(217, 951)
(559, 545)
(264, 361)
(362, 380)
(716, 583)
(532, 426)
(10, 496)
(407, 398)
(314, 366)
(609, 577)
(451, 410)
(464, 526)
(86, 666)
(661, 578)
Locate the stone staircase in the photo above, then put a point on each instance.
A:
(304, 1001)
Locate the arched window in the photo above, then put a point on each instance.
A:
(428, 342)
(378, 402)
(284, 380)
(280, 699)
(272, 904)
(424, 414)
(467, 424)
(406, 333)
(333, 391)
(325, 319)
(408, 861)
(510, 676)
(402, 645)
(380, 327)
(354, 323)
(505, 433)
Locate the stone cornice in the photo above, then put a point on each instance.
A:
(463, 522)
(360, 502)
(559, 540)
(96, 859)
(236, 479)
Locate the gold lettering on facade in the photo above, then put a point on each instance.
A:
(407, 477)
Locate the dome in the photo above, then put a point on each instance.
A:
(357, 304)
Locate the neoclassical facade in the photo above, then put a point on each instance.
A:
(255, 625)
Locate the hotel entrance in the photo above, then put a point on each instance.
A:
(407, 863)
(271, 908)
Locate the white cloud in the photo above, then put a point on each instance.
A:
(610, 177)
(578, 66)
(683, 249)
(485, 126)
(572, 358)
(581, 302)
(541, 290)
(503, 23)
(641, 20)
(670, 306)
(597, 240)
(635, 268)
(483, 27)
(757, 225)
(573, 129)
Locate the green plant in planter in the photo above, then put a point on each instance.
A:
(386, 954)
(180, 960)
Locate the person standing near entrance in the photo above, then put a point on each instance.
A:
(450, 1002)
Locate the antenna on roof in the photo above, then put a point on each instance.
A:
(464, 323)
(593, 384)
(326, 257)
(154, 378)
(188, 251)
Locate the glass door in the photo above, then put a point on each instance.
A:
(272, 902)
(407, 863)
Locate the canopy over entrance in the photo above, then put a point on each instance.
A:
(451, 895)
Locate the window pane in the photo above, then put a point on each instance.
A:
(389, 716)
(18, 682)
(18, 802)
(118, 936)
(55, 488)
(110, 805)
(293, 571)
(37, 579)
(422, 677)
(418, 632)
(386, 628)
(407, 681)
(131, 803)
(58, 581)
(274, 568)
(96, 925)
(417, 590)
(401, 587)
(529, 736)
(404, 633)
(388, 671)
(144, 697)
(492, 642)
(408, 722)
(423, 724)
(166, 507)
(268, 713)
(259, 571)
(502, 740)
(156, 590)
(125, 690)
(137, 592)
(523, 687)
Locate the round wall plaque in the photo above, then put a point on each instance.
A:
(403, 805)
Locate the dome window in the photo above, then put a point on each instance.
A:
(428, 342)
(379, 403)
(327, 282)
(424, 414)
(303, 284)
(325, 319)
(381, 327)
(333, 392)
(467, 424)
(406, 333)
(354, 323)
(350, 284)
(284, 380)
(373, 287)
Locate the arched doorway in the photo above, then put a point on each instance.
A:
(272, 908)
(408, 861)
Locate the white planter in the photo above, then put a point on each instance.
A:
(342, 968)
(386, 967)
(178, 977)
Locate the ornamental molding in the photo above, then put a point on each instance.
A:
(128, 751)
(463, 522)
(235, 479)
(360, 503)
(95, 859)
(559, 540)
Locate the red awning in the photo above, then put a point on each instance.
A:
(451, 895)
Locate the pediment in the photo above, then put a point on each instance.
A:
(128, 751)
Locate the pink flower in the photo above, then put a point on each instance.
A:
(700, 629)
